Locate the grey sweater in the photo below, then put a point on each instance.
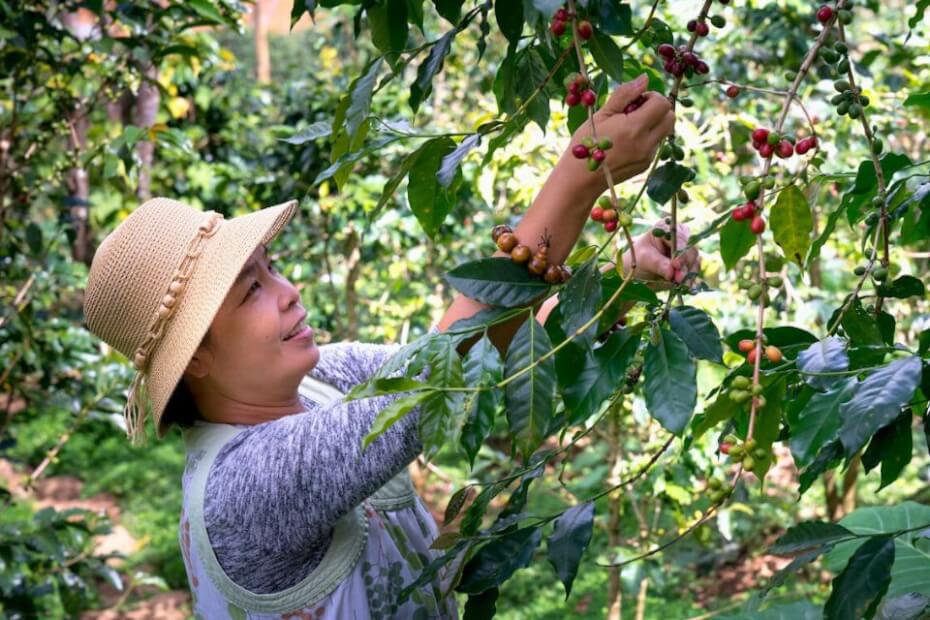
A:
(276, 490)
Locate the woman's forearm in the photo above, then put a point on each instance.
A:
(559, 212)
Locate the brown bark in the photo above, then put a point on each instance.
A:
(78, 185)
(262, 14)
(144, 113)
(614, 594)
(841, 501)
(354, 261)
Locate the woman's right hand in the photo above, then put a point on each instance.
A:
(635, 136)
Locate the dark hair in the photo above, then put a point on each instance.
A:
(181, 408)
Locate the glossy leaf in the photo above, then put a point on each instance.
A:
(792, 222)
(483, 367)
(607, 55)
(388, 22)
(903, 287)
(698, 331)
(568, 541)
(736, 239)
(828, 355)
(509, 16)
(427, 200)
(441, 413)
(893, 447)
(579, 300)
(498, 560)
(530, 396)
(320, 129)
(496, 281)
(878, 401)
(392, 413)
(431, 65)
(601, 374)
(481, 606)
(666, 181)
(670, 382)
(862, 584)
(612, 16)
(455, 504)
(809, 534)
(818, 422)
(911, 570)
(450, 163)
(361, 98)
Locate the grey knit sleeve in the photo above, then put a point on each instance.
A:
(276, 489)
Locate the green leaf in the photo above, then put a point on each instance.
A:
(878, 401)
(481, 606)
(423, 85)
(320, 129)
(392, 413)
(818, 422)
(34, 238)
(809, 534)
(450, 163)
(736, 239)
(698, 331)
(893, 447)
(601, 374)
(415, 13)
(858, 590)
(612, 16)
(921, 100)
(902, 288)
(607, 56)
(828, 355)
(859, 325)
(568, 541)
(579, 301)
(866, 184)
(920, 7)
(792, 223)
(441, 413)
(531, 71)
(388, 22)
(530, 397)
(427, 200)
(824, 236)
(911, 571)
(828, 457)
(497, 281)
(792, 567)
(670, 382)
(380, 387)
(666, 181)
(207, 10)
(498, 560)
(449, 9)
(361, 98)
(483, 367)
(509, 15)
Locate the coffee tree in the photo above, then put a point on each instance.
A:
(843, 398)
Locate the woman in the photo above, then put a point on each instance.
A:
(283, 516)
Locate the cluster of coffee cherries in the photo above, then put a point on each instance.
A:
(746, 452)
(579, 91)
(594, 152)
(772, 353)
(879, 274)
(750, 211)
(849, 101)
(634, 105)
(717, 490)
(538, 263)
(769, 143)
(700, 26)
(754, 290)
(681, 61)
(611, 218)
(560, 20)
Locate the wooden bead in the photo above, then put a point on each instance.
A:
(175, 287)
(168, 300)
(163, 312)
(139, 360)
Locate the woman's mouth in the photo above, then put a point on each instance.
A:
(301, 332)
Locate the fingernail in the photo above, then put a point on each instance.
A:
(642, 79)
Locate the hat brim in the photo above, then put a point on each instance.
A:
(216, 269)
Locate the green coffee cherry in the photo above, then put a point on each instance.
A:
(686, 102)
(588, 141)
(714, 483)
(760, 453)
(776, 281)
(745, 179)
(837, 99)
(678, 152)
(790, 76)
(718, 21)
(855, 110)
(843, 108)
(731, 439)
(845, 17)
(593, 164)
(877, 146)
(739, 396)
(624, 219)
(748, 462)
(864, 101)
(773, 138)
(880, 274)
(752, 190)
(683, 197)
(604, 202)
(841, 85)
(666, 151)
(877, 202)
(843, 66)
(757, 389)
(605, 144)
(829, 55)
(769, 183)
(859, 271)
(658, 233)
(840, 47)
(740, 383)
(754, 292)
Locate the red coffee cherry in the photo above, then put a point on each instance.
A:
(784, 149)
(557, 27)
(702, 29)
(702, 68)
(733, 91)
(757, 225)
(610, 226)
(760, 135)
(598, 155)
(766, 150)
(824, 14)
(589, 98)
(666, 51)
(585, 30)
(580, 151)
(597, 214)
(571, 100)
(561, 15)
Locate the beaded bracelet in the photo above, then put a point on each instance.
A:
(538, 263)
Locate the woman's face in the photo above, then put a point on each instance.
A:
(252, 351)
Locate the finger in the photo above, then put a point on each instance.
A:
(664, 128)
(689, 259)
(624, 94)
(655, 265)
(655, 108)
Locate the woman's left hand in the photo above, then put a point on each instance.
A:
(654, 263)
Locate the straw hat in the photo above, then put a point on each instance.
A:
(157, 281)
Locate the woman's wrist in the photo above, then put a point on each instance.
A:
(576, 181)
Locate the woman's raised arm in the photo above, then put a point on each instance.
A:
(564, 203)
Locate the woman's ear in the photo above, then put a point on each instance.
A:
(199, 366)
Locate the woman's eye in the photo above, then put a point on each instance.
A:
(255, 286)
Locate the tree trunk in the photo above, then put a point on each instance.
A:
(354, 262)
(262, 15)
(79, 186)
(143, 115)
(614, 593)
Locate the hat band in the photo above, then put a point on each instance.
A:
(135, 411)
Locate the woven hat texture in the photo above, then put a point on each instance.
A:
(157, 281)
